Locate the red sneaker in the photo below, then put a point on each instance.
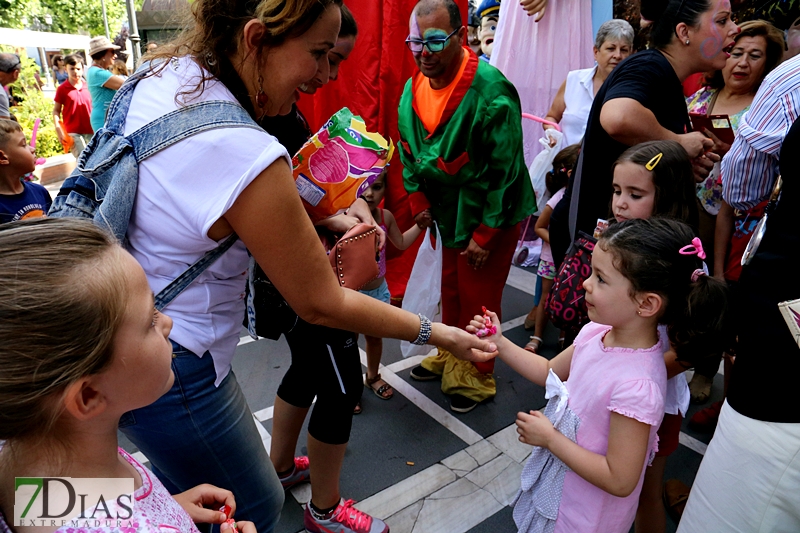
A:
(345, 519)
(300, 474)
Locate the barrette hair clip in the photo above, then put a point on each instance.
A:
(653, 162)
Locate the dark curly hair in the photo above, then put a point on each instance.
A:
(646, 252)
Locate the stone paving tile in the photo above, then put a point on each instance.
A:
(412, 489)
(461, 463)
(457, 507)
(483, 451)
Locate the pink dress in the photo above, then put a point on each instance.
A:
(601, 381)
(537, 57)
(154, 511)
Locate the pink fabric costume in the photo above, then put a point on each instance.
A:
(537, 56)
(601, 380)
(154, 511)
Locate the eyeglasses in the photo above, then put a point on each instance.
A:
(434, 46)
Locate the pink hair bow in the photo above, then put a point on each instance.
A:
(695, 248)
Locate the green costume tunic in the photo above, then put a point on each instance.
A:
(470, 171)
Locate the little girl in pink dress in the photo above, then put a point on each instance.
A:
(607, 391)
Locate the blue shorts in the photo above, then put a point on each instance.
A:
(381, 293)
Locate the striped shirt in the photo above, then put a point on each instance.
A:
(750, 169)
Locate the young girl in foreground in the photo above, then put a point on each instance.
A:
(81, 344)
(586, 472)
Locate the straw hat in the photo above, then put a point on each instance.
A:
(98, 44)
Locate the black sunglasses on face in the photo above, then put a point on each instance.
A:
(434, 46)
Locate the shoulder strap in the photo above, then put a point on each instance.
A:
(179, 284)
(186, 121)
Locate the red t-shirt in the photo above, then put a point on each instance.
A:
(76, 107)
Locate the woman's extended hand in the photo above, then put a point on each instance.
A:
(461, 344)
(195, 500)
(695, 143)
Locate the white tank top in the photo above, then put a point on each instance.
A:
(578, 97)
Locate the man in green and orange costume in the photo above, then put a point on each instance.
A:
(461, 148)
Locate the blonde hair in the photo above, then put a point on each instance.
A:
(216, 27)
(7, 128)
(62, 298)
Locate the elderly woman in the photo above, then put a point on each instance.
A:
(730, 91)
(198, 192)
(571, 106)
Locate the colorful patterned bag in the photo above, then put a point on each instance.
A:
(566, 303)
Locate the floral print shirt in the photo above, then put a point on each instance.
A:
(154, 511)
(710, 190)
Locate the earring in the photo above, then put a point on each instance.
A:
(261, 96)
(687, 42)
(638, 312)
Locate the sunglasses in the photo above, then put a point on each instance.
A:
(434, 46)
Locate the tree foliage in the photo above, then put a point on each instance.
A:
(68, 16)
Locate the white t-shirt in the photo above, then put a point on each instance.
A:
(182, 191)
(4, 103)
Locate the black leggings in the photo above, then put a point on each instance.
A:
(326, 364)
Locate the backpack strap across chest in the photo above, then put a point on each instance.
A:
(103, 185)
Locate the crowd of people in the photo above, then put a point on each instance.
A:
(680, 192)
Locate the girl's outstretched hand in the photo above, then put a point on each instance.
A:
(535, 429)
(478, 323)
(463, 345)
(196, 502)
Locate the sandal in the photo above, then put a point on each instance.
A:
(675, 495)
(533, 345)
(357, 410)
(384, 392)
(530, 320)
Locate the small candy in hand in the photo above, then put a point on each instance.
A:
(232, 523)
(226, 510)
(488, 328)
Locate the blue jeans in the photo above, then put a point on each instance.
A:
(198, 433)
